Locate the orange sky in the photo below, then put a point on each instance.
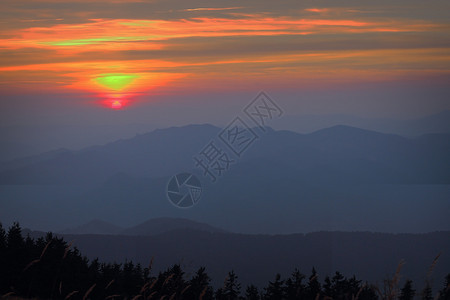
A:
(115, 48)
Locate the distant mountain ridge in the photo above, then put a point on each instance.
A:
(161, 152)
(151, 227)
(435, 123)
(256, 258)
(94, 227)
(349, 153)
(44, 138)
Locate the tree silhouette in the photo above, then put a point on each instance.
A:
(444, 294)
(367, 292)
(327, 287)
(199, 286)
(407, 292)
(252, 293)
(295, 289)
(49, 268)
(313, 286)
(171, 283)
(427, 293)
(2, 238)
(16, 254)
(232, 287)
(352, 287)
(338, 286)
(3, 256)
(275, 290)
(219, 294)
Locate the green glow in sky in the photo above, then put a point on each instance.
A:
(81, 42)
(115, 82)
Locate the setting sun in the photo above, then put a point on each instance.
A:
(116, 104)
(114, 101)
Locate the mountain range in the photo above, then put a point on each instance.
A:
(338, 178)
(336, 154)
(26, 140)
(435, 123)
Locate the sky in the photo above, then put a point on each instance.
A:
(146, 64)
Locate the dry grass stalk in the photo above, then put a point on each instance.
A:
(45, 249)
(109, 284)
(185, 289)
(150, 264)
(359, 292)
(144, 287)
(203, 293)
(379, 292)
(71, 294)
(66, 251)
(393, 284)
(31, 264)
(8, 294)
(396, 278)
(152, 285)
(168, 278)
(433, 264)
(89, 291)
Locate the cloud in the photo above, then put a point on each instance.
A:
(70, 43)
(317, 10)
(212, 8)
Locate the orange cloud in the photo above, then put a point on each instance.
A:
(114, 49)
(100, 34)
(212, 8)
(317, 10)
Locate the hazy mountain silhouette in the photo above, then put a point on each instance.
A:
(340, 153)
(161, 152)
(32, 159)
(94, 227)
(435, 123)
(43, 138)
(162, 225)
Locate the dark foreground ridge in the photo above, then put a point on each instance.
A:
(50, 268)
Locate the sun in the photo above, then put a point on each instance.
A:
(116, 104)
(115, 101)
